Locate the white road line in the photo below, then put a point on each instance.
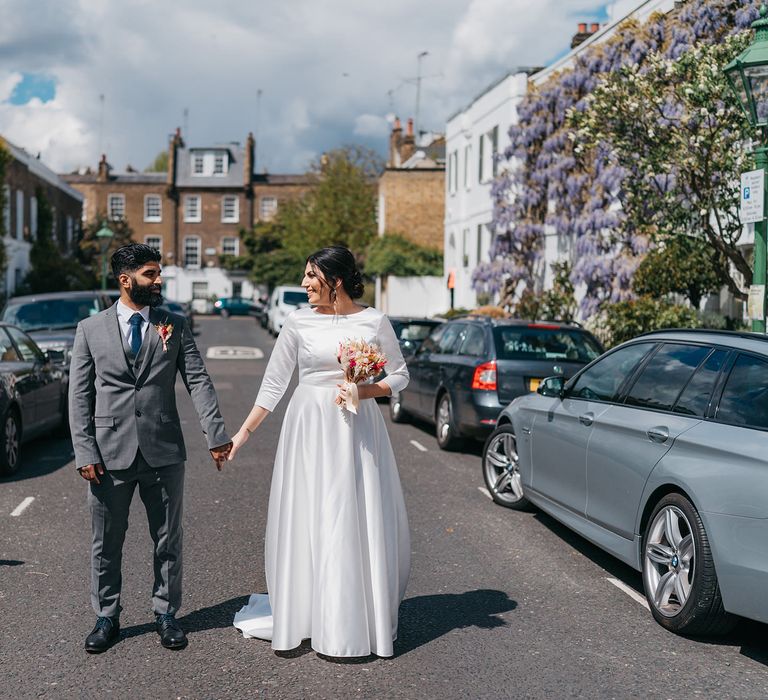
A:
(485, 491)
(19, 509)
(631, 592)
(419, 446)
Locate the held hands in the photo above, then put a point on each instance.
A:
(221, 454)
(241, 437)
(91, 472)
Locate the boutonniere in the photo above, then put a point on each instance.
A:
(165, 331)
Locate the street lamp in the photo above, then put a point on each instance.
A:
(104, 236)
(747, 75)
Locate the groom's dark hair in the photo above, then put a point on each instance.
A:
(133, 256)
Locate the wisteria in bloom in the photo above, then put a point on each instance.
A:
(553, 183)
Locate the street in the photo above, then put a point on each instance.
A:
(500, 604)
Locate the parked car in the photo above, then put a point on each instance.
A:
(469, 368)
(180, 309)
(282, 301)
(234, 306)
(33, 394)
(656, 453)
(51, 319)
(411, 332)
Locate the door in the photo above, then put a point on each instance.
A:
(411, 397)
(629, 440)
(47, 384)
(24, 384)
(561, 432)
(440, 368)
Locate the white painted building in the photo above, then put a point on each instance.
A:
(474, 136)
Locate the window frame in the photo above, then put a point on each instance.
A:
(236, 239)
(717, 394)
(199, 217)
(199, 264)
(153, 219)
(198, 158)
(158, 248)
(269, 215)
(118, 196)
(234, 218)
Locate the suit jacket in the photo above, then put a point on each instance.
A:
(119, 404)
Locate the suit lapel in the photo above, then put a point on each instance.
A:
(151, 341)
(113, 327)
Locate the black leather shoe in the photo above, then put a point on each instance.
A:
(171, 634)
(104, 635)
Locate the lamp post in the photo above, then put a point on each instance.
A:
(747, 75)
(104, 236)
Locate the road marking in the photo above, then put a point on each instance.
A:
(631, 592)
(485, 492)
(19, 509)
(233, 352)
(419, 446)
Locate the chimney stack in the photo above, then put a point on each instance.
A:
(250, 150)
(409, 143)
(395, 143)
(104, 169)
(583, 33)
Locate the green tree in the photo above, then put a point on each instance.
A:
(266, 260)
(628, 319)
(50, 270)
(393, 254)
(89, 253)
(682, 265)
(678, 133)
(159, 164)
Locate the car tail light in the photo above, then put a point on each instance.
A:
(485, 377)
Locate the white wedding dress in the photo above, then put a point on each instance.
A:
(337, 553)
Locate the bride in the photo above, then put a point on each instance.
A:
(337, 542)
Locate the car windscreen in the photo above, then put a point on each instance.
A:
(413, 331)
(538, 343)
(50, 313)
(294, 298)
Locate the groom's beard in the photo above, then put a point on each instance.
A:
(146, 295)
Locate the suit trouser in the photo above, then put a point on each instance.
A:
(162, 492)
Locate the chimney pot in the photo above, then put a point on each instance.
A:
(594, 27)
(397, 124)
(410, 127)
(582, 27)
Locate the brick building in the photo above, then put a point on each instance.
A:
(194, 212)
(412, 188)
(27, 179)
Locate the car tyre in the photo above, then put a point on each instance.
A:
(10, 443)
(397, 413)
(224, 313)
(445, 428)
(501, 469)
(679, 572)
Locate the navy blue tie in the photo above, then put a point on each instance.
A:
(136, 321)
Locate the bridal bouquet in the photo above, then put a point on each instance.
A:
(360, 361)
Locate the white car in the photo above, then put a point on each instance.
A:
(281, 303)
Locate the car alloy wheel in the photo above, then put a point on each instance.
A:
(446, 433)
(501, 469)
(679, 571)
(11, 436)
(396, 412)
(670, 555)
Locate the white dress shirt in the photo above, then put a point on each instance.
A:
(124, 313)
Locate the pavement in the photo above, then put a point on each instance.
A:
(500, 604)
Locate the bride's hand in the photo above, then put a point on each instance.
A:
(237, 442)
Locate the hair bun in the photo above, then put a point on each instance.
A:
(356, 286)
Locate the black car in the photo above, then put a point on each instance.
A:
(51, 319)
(411, 332)
(33, 394)
(470, 368)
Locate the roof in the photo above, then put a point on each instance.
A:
(232, 178)
(38, 168)
(271, 179)
(134, 178)
(741, 340)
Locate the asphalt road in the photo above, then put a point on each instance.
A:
(500, 604)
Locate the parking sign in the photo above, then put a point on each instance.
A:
(751, 207)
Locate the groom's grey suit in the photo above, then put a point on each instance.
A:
(122, 413)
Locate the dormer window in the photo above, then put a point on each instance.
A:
(210, 163)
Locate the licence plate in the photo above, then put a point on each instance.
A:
(533, 384)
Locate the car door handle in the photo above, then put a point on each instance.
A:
(526, 431)
(660, 434)
(587, 418)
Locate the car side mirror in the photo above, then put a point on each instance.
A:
(552, 386)
(54, 356)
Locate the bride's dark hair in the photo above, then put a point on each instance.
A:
(337, 263)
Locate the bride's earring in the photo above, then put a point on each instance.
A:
(333, 300)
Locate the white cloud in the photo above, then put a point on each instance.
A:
(329, 72)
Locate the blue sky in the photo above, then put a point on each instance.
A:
(329, 73)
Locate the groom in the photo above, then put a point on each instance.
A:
(126, 433)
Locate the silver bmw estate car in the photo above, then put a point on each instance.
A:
(657, 452)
